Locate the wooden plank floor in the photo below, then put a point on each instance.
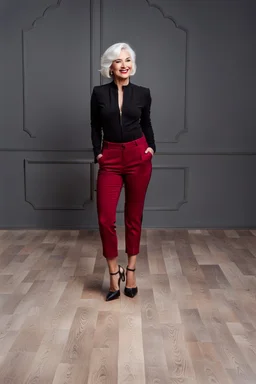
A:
(193, 322)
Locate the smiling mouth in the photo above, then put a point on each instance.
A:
(124, 70)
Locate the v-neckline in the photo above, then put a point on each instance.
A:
(120, 107)
(113, 84)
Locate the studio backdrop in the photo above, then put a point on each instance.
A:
(197, 58)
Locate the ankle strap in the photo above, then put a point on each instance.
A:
(114, 273)
(120, 270)
(129, 269)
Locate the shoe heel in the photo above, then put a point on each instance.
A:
(122, 275)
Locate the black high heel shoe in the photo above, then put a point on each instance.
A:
(112, 295)
(130, 292)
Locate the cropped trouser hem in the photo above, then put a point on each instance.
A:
(110, 257)
(132, 252)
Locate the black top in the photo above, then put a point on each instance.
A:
(130, 124)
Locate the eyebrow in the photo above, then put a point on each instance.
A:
(125, 58)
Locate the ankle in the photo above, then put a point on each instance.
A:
(113, 268)
(131, 261)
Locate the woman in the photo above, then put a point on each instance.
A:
(120, 114)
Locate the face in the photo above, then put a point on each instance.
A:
(122, 66)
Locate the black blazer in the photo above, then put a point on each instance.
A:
(108, 122)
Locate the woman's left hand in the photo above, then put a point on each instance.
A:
(149, 149)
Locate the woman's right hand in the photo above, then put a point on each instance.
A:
(99, 156)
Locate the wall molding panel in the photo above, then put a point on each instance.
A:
(23, 32)
(55, 98)
(172, 40)
(184, 129)
(58, 184)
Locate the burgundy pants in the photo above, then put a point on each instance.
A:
(122, 164)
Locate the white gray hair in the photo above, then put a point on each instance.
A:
(111, 54)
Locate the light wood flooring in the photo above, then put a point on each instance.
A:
(193, 321)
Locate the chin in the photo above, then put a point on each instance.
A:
(126, 76)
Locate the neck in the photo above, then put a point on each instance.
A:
(121, 82)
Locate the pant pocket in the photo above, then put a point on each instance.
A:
(145, 156)
(104, 156)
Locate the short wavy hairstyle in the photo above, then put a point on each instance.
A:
(111, 54)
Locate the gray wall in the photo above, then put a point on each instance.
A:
(197, 57)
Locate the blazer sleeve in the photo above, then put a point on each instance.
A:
(146, 121)
(96, 129)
